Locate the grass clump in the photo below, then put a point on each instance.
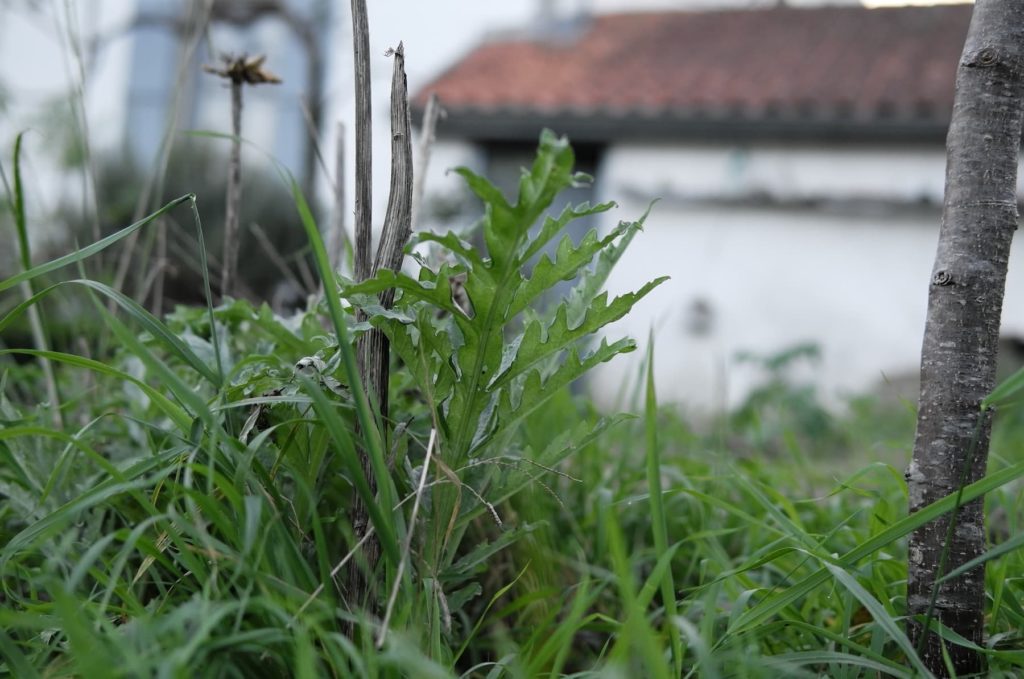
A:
(190, 515)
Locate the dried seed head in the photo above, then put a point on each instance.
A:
(244, 69)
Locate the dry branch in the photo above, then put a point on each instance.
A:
(234, 194)
(398, 218)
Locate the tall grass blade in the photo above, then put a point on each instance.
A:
(999, 550)
(658, 521)
(136, 312)
(786, 662)
(174, 411)
(880, 615)
(89, 250)
(367, 423)
(204, 266)
(774, 603)
(635, 630)
(17, 664)
(40, 336)
(17, 205)
(383, 523)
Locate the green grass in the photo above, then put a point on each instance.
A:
(190, 516)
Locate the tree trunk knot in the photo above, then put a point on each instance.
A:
(984, 57)
(942, 278)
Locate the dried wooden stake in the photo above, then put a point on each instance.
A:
(373, 346)
(364, 149)
(358, 584)
(398, 218)
(373, 349)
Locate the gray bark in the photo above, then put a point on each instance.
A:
(958, 357)
(364, 147)
(373, 348)
(358, 583)
(395, 234)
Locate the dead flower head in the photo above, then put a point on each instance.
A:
(244, 69)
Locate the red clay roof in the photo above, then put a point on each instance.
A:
(833, 62)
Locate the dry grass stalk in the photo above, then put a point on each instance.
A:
(431, 115)
(337, 240)
(240, 71)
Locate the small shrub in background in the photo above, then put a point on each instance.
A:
(196, 166)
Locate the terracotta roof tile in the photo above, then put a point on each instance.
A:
(839, 62)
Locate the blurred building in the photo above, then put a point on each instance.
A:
(113, 74)
(107, 88)
(797, 155)
(170, 44)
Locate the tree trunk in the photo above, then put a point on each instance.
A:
(958, 358)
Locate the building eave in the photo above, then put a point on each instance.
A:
(603, 127)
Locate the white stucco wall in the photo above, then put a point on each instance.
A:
(790, 171)
(772, 279)
(851, 275)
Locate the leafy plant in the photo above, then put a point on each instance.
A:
(481, 354)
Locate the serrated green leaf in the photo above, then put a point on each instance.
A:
(567, 263)
(517, 404)
(539, 343)
(486, 369)
(459, 598)
(424, 290)
(550, 174)
(477, 558)
(453, 244)
(592, 280)
(553, 226)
